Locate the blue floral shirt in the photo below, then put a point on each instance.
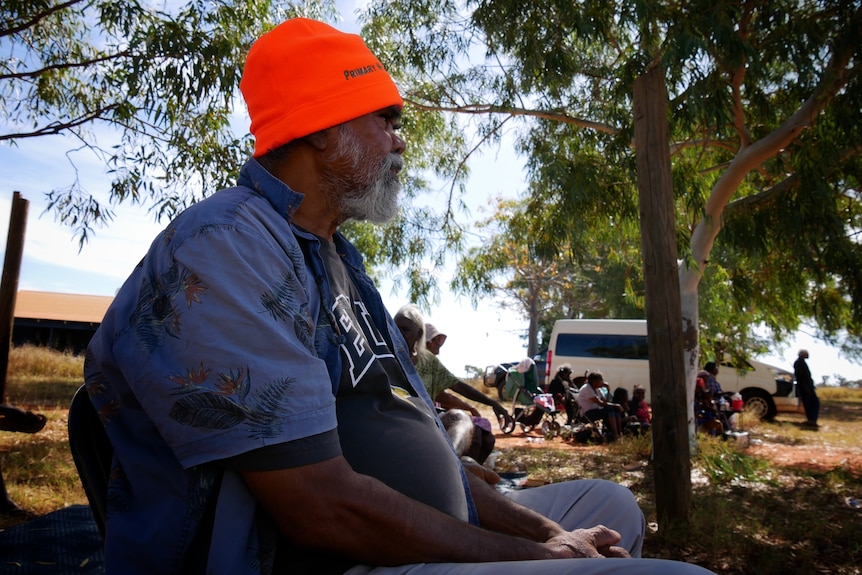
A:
(217, 345)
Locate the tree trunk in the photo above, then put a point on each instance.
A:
(688, 282)
(9, 282)
(671, 462)
(533, 331)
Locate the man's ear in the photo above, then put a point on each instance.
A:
(320, 140)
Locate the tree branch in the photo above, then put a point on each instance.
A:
(57, 128)
(553, 115)
(835, 77)
(64, 66)
(785, 185)
(736, 80)
(37, 18)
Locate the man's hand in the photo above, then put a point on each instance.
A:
(486, 474)
(503, 416)
(594, 542)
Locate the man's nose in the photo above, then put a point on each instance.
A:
(398, 144)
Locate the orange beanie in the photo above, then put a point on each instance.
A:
(304, 76)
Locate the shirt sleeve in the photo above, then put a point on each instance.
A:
(288, 455)
(218, 344)
(434, 374)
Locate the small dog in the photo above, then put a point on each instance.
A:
(459, 427)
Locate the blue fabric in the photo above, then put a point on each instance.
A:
(171, 362)
(65, 542)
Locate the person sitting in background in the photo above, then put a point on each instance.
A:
(706, 414)
(630, 423)
(439, 381)
(560, 387)
(712, 385)
(714, 396)
(434, 339)
(639, 408)
(594, 405)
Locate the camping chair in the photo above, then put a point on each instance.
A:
(92, 452)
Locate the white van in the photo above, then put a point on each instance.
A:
(617, 348)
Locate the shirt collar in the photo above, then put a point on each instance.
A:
(283, 198)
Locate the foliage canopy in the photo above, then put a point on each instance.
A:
(149, 91)
(764, 118)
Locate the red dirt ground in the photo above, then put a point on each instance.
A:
(816, 456)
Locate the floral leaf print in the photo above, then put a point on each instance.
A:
(233, 382)
(108, 410)
(282, 303)
(233, 403)
(208, 410)
(203, 484)
(154, 315)
(192, 287)
(268, 407)
(192, 379)
(210, 228)
(95, 380)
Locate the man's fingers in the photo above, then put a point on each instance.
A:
(613, 551)
(604, 537)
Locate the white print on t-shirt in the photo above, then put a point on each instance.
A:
(360, 353)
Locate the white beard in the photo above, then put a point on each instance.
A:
(369, 191)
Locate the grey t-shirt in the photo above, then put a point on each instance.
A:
(385, 430)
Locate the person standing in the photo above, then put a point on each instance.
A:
(805, 389)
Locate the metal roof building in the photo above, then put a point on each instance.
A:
(59, 320)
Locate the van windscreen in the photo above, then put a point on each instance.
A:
(602, 345)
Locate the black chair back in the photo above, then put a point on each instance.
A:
(92, 452)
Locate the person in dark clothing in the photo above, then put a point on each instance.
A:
(558, 388)
(805, 389)
(639, 408)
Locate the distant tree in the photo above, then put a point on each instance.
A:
(148, 90)
(591, 280)
(472, 371)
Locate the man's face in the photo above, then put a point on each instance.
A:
(362, 179)
(408, 330)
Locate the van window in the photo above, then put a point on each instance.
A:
(601, 346)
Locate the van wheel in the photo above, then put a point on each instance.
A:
(759, 404)
(500, 387)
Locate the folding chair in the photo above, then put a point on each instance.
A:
(92, 452)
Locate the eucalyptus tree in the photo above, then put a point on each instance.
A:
(765, 106)
(148, 88)
(596, 280)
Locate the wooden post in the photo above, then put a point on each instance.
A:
(671, 458)
(9, 282)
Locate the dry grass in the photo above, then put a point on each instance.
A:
(751, 514)
(38, 469)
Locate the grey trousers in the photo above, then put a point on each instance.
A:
(574, 505)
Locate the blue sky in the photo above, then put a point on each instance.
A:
(478, 337)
